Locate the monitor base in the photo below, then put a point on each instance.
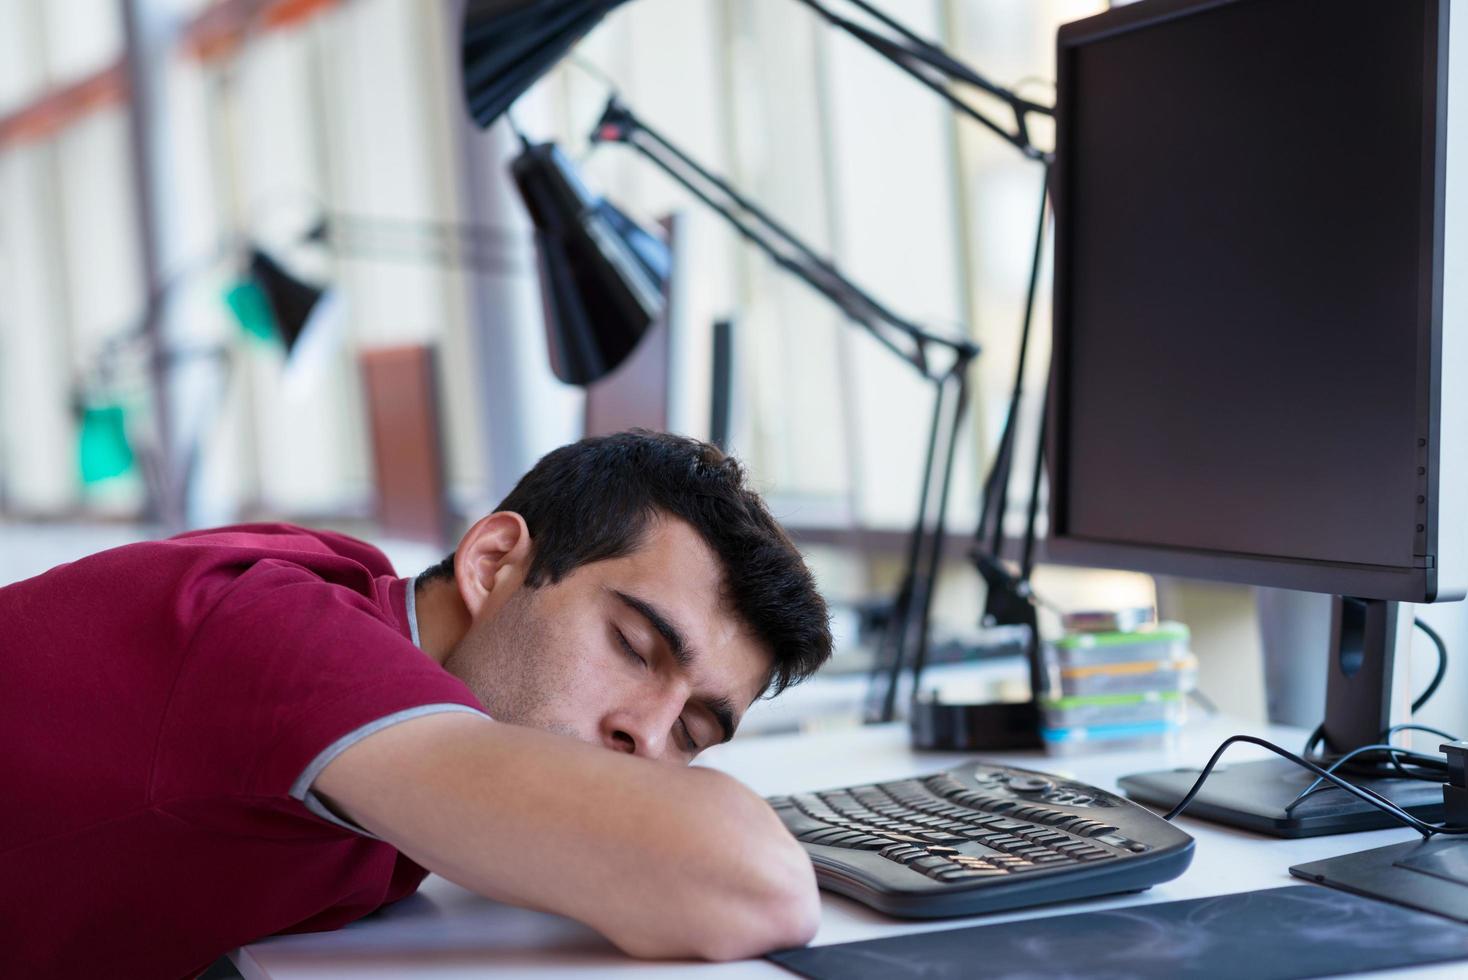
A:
(1430, 875)
(1253, 796)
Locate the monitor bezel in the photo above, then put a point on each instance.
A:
(1415, 583)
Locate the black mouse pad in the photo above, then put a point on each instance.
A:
(1279, 934)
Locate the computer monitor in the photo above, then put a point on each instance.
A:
(1261, 329)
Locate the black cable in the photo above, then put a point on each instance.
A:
(1392, 751)
(1418, 728)
(1360, 792)
(1442, 663)
(1432, 768)
(1316, 737)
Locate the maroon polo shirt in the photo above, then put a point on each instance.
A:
(163, 709)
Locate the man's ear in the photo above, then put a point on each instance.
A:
(492, 560)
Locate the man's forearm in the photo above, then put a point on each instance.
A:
(664, 861)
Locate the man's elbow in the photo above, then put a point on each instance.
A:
(782, 911)
(765, 899)
(781, 921)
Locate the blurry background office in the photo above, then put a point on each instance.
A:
(248, 124)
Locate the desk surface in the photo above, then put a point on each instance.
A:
(446, 932)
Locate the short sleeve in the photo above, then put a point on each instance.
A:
(302, 788)
(283, 671)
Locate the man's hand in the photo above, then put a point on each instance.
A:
(665, 862)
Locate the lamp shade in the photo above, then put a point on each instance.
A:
(103, 449)
(508, 44)
(291, 300)
(603, 276)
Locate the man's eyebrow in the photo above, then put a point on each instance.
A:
(723, 711)
(721, 708)
(670, 633)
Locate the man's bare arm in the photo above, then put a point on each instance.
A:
(663, 861)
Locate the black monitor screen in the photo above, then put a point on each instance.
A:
(1240, 286)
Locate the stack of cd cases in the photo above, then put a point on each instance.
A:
(1116, 688)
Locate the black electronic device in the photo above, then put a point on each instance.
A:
(968, 727)
(981, 838)
(1258, 329)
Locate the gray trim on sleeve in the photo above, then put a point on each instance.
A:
(301, 788)
(412, 601)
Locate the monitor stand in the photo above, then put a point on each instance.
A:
(1428, 875)
(1253, 795)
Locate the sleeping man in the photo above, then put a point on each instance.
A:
(262, 729)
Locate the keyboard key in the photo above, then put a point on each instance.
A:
(968, 874)
(932, 863)
(798, 823)
(865, 842)
(1098, 830)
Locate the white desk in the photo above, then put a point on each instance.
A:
(446, 932)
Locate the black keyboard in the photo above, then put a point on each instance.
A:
(981, 838)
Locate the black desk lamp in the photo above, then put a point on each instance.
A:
(604, 277)
(291, 300)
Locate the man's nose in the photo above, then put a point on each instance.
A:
(642, 729)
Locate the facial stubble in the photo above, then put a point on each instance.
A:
(513, 664)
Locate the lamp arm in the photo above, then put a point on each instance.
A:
(996, 482)
(944, 62)
(618, 124)
(936, 69)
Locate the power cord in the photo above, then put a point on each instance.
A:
(1427, 830)
(1442, 663)
(1431, 769)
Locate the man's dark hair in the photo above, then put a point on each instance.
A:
(594, 499)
